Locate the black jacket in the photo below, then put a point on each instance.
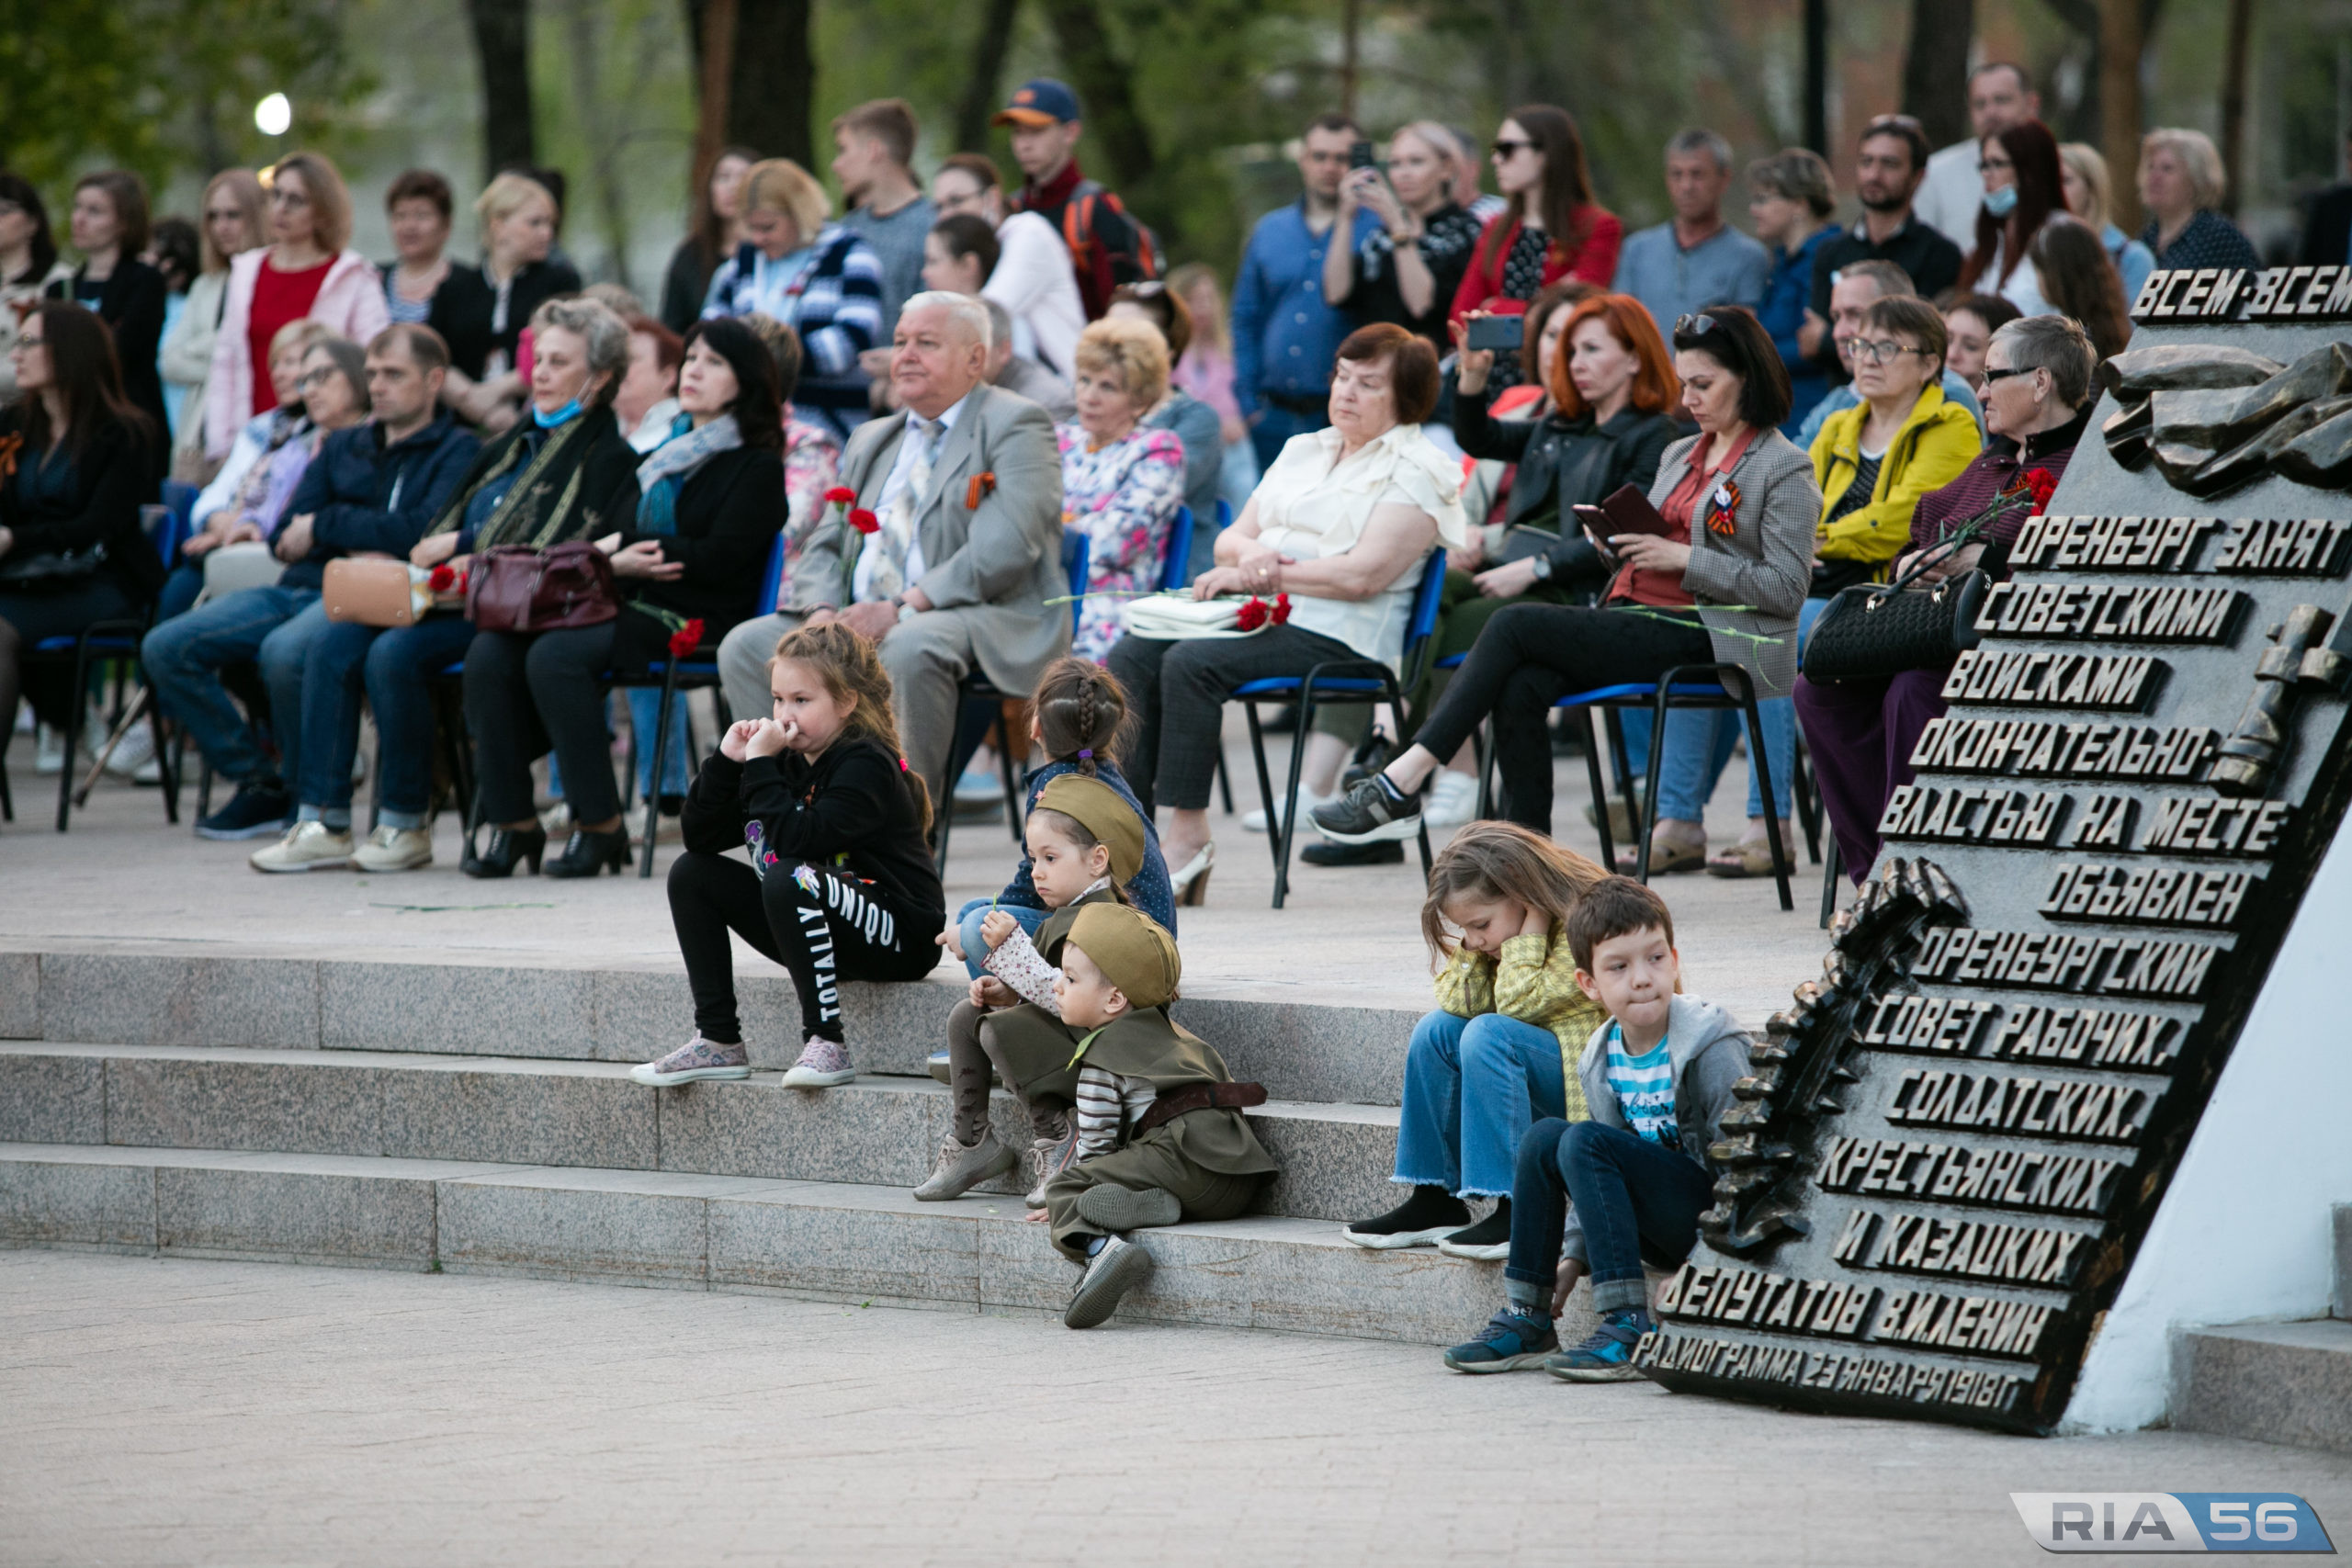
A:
(729, 512)
(115, 476)
(132, 304)
(854, 807)
(465, 304)
(363, 495)
(1564, 463)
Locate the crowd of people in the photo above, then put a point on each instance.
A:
(846, 458)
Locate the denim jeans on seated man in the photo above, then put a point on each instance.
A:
(1472, 1086)
(394, 667)
(967, 928)
(184, 656)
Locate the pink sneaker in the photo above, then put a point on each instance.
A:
(824, 1064)
(697, 1058)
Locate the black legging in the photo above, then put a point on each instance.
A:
(1529, 656)
(821, 925)
(525, 691)
(1176, 697)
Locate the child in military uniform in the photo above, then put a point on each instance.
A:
(1159, 1118)
(1085, 844)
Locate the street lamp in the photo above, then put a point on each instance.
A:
(274, 115)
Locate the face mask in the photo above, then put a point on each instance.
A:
(2002, 202)
(561, 416)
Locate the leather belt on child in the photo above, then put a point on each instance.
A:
(1200, 1097)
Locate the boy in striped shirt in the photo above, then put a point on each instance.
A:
(1602, 1197)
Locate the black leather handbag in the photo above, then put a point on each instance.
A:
(1876, 631)
(50, 571)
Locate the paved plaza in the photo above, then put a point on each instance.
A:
(260, 1415)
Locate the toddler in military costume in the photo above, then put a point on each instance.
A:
(1161, 1134)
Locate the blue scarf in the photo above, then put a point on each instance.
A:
(661, 476)
(563, 416)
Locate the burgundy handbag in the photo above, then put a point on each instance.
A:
(514, 589)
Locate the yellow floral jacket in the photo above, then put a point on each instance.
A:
(1535, 981)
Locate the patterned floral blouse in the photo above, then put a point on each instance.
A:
(1124, 496)
(813, 464)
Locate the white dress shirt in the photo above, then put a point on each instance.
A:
(901, 471)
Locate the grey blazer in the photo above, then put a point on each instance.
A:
(996, 563)
(1754, 580)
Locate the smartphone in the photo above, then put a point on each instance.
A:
(1360, 156)
(1501, 334)
(1597, 530)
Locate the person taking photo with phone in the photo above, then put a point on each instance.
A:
(1406, 270)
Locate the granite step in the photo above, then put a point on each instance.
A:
(1335, 1159)
(2272, 1383)
(578, 1009)
(826, 1241)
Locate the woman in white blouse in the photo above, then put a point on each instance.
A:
(1341, 523)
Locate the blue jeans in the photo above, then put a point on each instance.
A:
(1635, 1199)
(394, 667)
(275, 627)
(967, 928)
(1472, 1087)
(180, 591)
(1274, 427)
(1698, 743)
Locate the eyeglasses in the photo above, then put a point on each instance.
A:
(317, 378)
(1506, 148)
(1865, 352)
(1695, 326)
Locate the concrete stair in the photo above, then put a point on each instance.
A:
(2274, 1383)
(480, 1118)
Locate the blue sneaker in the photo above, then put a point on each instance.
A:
(1608, 1355)
(258, 810)
(1513, 1339)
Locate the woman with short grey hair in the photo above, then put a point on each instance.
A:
(2181, 183)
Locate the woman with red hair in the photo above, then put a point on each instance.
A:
(2024, 185)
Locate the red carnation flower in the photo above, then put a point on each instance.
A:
(1282, 609)
(841, 495)
(864, 522)
(2043, 484)
(442, 579)
(1252, 615)
(687, 639)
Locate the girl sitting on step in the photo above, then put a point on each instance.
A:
(1498, 1052)
(841, 884)
(1086, 842)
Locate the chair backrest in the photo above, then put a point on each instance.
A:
(1224, 514)
(772, 580)
(1074, 549)
(1176, 566)
(181, 498)
(1421, 629)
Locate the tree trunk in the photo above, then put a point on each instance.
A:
(769, 78)
(1816, 75)
(2235, 65)
(2120, 41)
(604, 133)
(1106, 91)
(710, 25)
(986, 81)
(503, 43)
(1935, 68)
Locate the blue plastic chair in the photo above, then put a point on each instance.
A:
(1351, 681)
(673, 676)
(1176, 561)
(982, 705)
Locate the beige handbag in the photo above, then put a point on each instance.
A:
(377, 592)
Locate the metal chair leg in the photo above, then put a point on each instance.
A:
(1599, 789)
(1829, 869)
(1806, 798)
(1010, 775)
(1265, 781)
(1763, 767)
(660, 761)
(1224, 779)
(1614, 723)
(1647, 823)
(1282, 831)
(73, 731)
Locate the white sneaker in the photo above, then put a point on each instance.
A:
(307, 846)
(1255, 821)
(394, 849)
(49, 752)
(135, 751)
(1452, 800)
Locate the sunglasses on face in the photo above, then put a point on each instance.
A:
(1992, 375)
(1506, 148)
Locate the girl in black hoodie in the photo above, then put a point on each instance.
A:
(841, 884)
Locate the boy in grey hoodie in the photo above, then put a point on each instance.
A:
(1600, 1197)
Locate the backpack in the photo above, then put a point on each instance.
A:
(1087, 253)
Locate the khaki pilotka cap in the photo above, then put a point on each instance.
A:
(1134, 951)
(1102, 811)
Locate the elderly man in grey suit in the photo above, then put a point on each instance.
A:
(966, 484)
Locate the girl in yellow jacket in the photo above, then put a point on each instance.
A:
(1499, 1052)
